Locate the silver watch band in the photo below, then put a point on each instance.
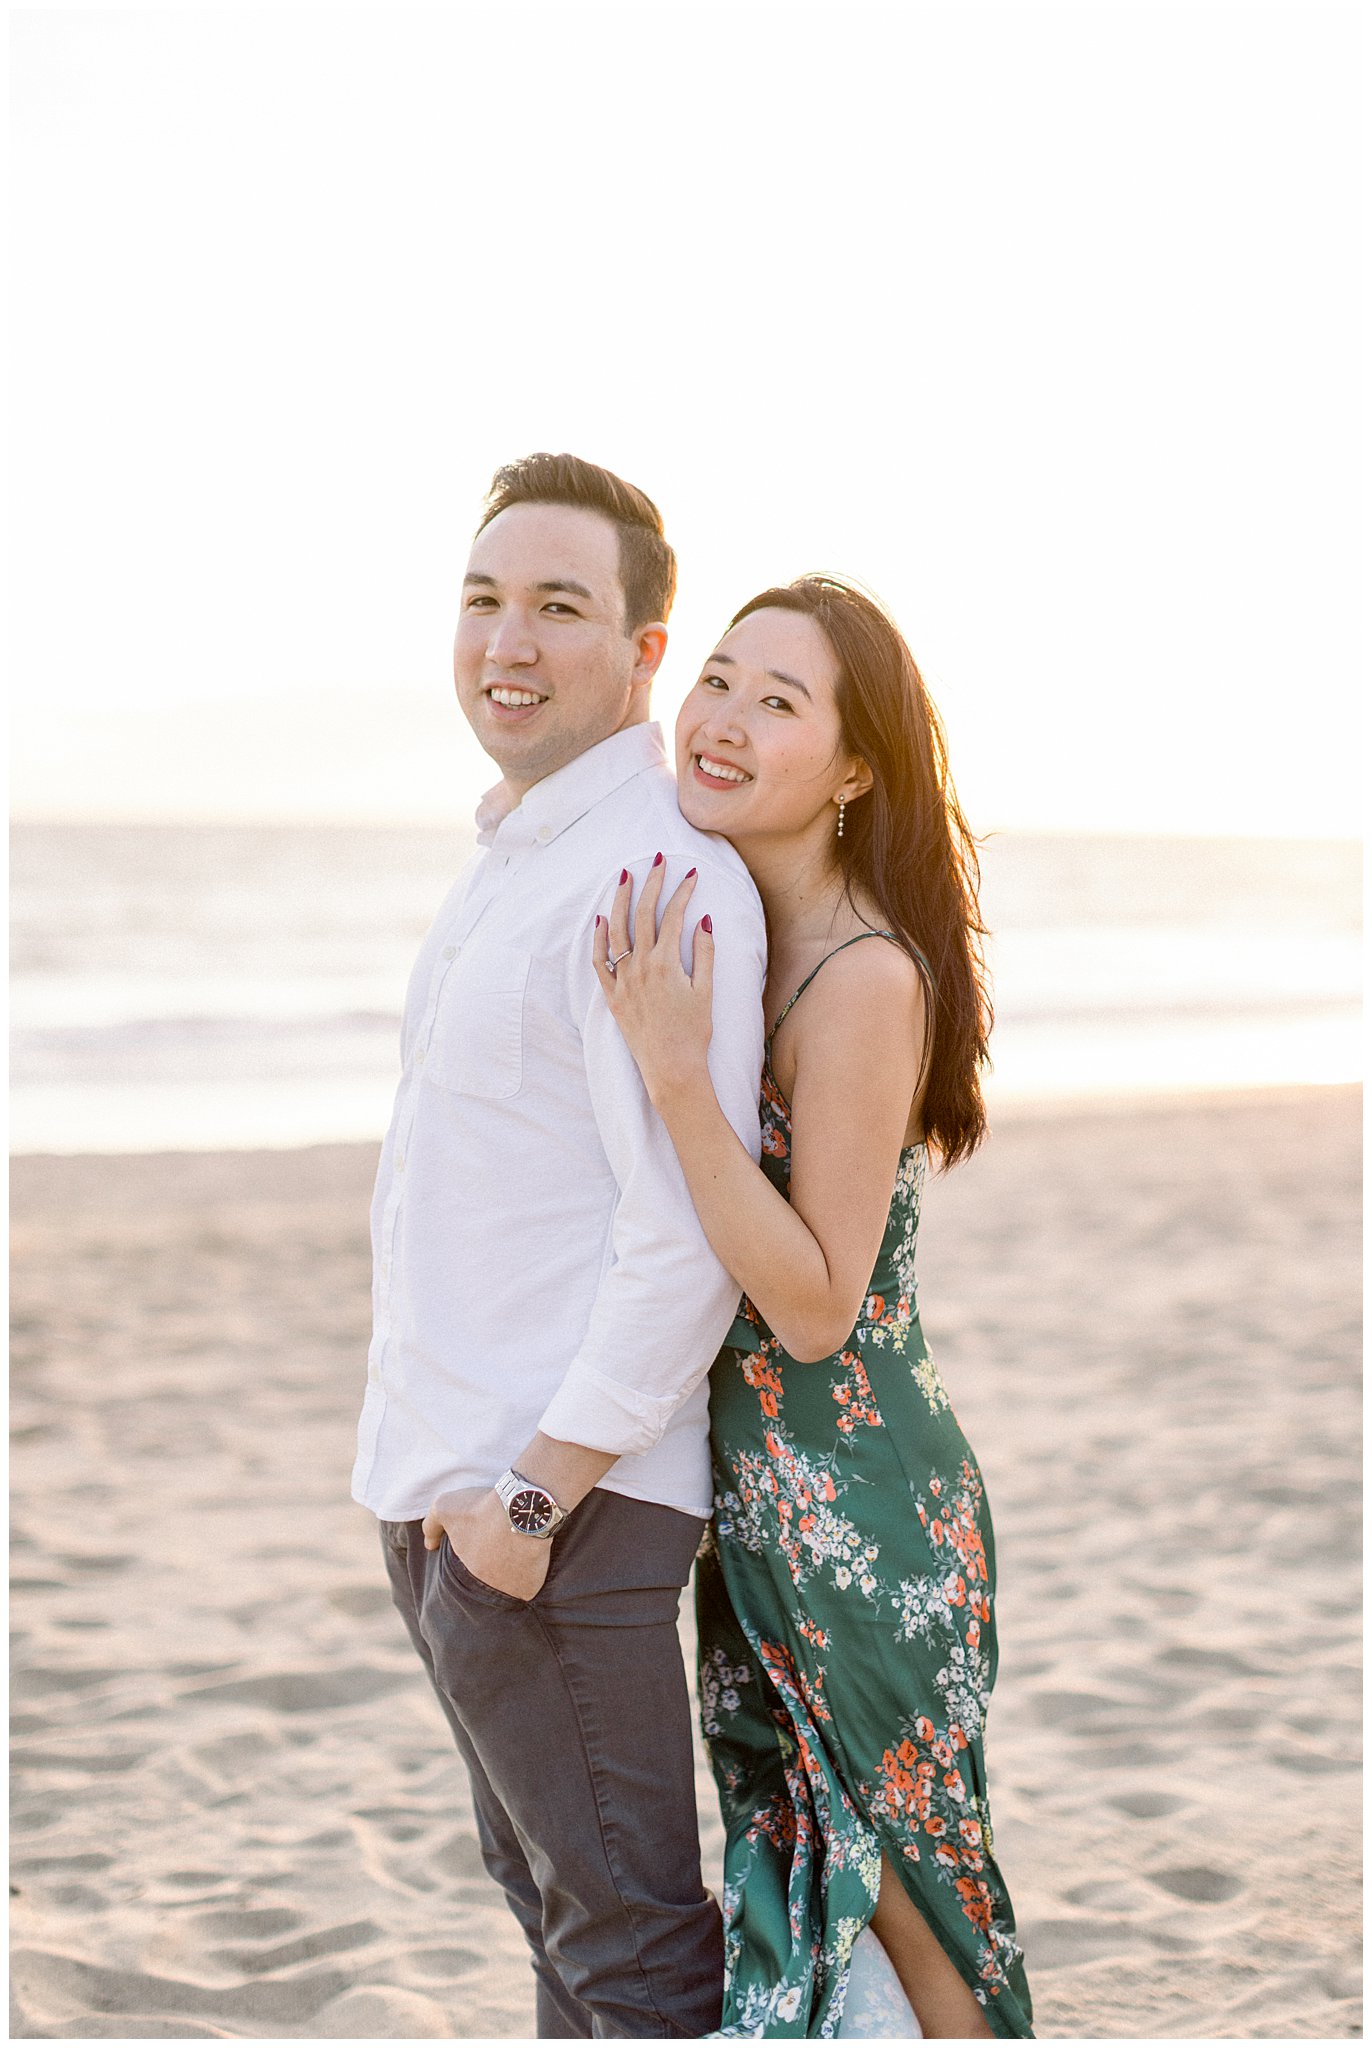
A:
(539, 1515)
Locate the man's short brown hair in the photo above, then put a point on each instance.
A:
(647, 566)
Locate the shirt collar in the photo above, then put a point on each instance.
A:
(566, 795)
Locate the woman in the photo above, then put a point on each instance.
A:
(845, 1602)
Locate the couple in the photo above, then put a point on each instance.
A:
(562, 1376)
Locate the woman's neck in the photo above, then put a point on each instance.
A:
(801, 886)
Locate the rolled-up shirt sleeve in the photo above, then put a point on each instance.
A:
(665, 1300)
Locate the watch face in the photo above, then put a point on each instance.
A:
(530, 1510)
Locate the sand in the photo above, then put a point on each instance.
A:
(237, 1814)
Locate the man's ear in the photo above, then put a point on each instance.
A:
(650, 644)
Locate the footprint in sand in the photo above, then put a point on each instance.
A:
(41, 1679)
(1119, 1896)
(1147, 1805)
(1180, 1601)
(35, 1432)
(29, 1821)
(396, 1823)
(87, 1762)
(306, 1948)
(1198, 1883)
(229, 1758)
(1127, 1756)
(249, 1923)
(1225, 1720)
(106, 1562)
(1059, 1708)
(1196, 1657)
(1310, 1763)
(308, 1692)
(444, 1964)
(38, 1866)
(73, 1898)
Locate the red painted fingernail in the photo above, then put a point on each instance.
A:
(657, 860)
(597, 923)
(689, 873)
(623, 876)
(705, 924)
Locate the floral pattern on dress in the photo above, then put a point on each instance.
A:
(845, 1605)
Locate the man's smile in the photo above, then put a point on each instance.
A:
(513, 701)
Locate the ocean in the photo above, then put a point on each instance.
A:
(203, 987)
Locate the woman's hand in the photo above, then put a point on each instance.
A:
(663, 1013)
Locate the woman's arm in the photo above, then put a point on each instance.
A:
(856, 1043)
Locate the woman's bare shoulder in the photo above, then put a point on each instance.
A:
(879, 970)
(852, 1069)
(869, 996)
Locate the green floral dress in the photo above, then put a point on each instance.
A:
(847, 1648)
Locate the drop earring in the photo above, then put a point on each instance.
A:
(841, 802)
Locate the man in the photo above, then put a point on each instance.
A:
(534, 1437)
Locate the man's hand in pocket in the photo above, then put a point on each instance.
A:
(474, 1520)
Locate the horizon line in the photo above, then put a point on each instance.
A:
(364, 821)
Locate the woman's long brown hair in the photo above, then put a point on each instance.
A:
(906, 844)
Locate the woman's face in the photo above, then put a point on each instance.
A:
(758, 741)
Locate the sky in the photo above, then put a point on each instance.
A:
(1041, 321)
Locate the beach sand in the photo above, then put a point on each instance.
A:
(237, 1812)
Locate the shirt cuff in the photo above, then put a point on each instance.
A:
(602, 1414)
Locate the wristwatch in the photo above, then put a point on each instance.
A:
(530, 1507)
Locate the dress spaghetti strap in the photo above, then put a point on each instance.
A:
(855, 940)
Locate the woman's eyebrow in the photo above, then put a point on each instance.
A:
(778, 675)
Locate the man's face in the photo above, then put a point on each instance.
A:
(543, 665)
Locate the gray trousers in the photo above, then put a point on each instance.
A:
(572, 1716)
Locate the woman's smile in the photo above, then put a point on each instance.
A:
(713, 773)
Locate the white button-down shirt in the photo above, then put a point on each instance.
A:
(537, 1261)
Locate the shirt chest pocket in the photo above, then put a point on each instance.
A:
(477, 1043)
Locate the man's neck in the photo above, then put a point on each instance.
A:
(519, 788)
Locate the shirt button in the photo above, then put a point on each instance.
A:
(450, 952)
(420, 1058)
(545, 833)
(400, 1162)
